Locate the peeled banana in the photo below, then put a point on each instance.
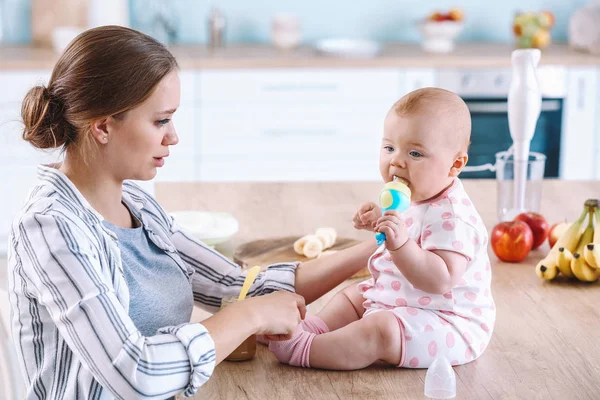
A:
(577, 253)
(312, 245)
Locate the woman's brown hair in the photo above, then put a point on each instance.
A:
(104, 71)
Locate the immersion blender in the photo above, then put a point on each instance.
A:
(524, 106)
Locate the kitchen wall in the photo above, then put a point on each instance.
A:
(387, 20)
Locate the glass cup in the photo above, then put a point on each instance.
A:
(247, 349)
(507, 206)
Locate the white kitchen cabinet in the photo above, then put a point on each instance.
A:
(578, 139)
(418, 78)
(292, 124)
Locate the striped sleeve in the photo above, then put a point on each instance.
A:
(71, 280)
(215, 277)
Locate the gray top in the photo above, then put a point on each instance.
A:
(160, 292)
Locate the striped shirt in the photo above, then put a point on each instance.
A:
(69, 299)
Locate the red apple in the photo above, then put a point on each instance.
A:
(511, 240)
(539, 227)
(556, 231)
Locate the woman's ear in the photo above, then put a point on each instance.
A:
(459, 163)
(100, 129)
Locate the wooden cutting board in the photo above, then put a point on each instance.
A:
(281, 249)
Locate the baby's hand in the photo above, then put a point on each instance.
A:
(392, 224)
(367, 216)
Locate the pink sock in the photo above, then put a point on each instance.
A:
(311, 323)
(296, 351)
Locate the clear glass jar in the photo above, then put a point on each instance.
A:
(247, 349)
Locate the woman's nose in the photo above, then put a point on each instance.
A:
(171, 138)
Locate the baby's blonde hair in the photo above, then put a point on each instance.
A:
(443, 104)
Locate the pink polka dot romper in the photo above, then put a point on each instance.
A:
(457, 324)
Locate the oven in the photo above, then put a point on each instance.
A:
(485, 91)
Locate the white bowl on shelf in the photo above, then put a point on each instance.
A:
(212, 228)
(438, 37)
(347, 48)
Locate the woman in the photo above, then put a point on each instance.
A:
(102, 281)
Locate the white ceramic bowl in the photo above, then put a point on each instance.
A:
(342, 47)
(212, 228)
(438, 37)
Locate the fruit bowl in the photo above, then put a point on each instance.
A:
(438, 37)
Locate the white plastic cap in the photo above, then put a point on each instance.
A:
(440, 380)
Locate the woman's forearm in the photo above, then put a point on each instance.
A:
(230, 327)
(316, 277)
(424, 269)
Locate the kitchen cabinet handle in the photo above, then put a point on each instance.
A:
(502, 107)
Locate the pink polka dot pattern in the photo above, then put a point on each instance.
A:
(473, 219)
(466, 202)
(448, 225)
(468, 337)
(400, 302)
(468, 353)
(488, 266)
(388, 271)
(447, 215)
(476, 241)
(486, 293)
(425, 300)
(435, 205)
(412, 311)
(462, 282)
(396, 285)
(425, 235)
(453, 200)
(432, 348)
(443, 321)
(414, 362)
(428, 328)
(450, 340)
(477, 311)
(408, 222)
(407, 337)
(478, 276)
(485, 328)
(470, 296)
(448, 295)
(379, 287)
(457, 245)
(387, 257)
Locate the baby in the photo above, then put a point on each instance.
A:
(429, 294)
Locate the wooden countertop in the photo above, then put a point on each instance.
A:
(545, 343)
(394, 55)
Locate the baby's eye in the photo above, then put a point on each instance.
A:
(415, 154)
(163, 121)
(389, 149)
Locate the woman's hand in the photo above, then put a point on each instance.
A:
(366, 217)
(392, 225)
(277, 314)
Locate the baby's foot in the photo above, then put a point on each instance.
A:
(296, 350)
(311, 323)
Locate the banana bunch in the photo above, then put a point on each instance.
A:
(313, 245)
(576, 254)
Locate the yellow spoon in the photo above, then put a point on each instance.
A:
(250, 277)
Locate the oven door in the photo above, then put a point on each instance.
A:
(490, 134)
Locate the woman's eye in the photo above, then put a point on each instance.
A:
(415, 154)
(163, 121)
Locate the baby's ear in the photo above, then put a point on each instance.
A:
(459, 163)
